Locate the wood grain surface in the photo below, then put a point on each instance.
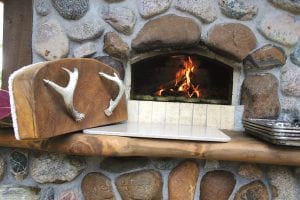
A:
(242, 148)
(17, 33)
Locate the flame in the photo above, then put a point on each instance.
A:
(183, 82)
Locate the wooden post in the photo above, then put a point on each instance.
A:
(17, 47)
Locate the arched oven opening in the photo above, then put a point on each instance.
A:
(182, 77)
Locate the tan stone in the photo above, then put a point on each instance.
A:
(260, 96)
(145, 184)
(255, 190)
(232, 39)
(167, 31)
(182, 181)
(250, 171)
(217, 184)
(266, 57)
(115, 46)
(96, 186)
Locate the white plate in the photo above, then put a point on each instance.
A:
(162, 131)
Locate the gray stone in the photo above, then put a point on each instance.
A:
(48, 194)
(19, 164)
(117, 65)
(50, 40)
(96, 186)
(120, 18)
(290, 80)
(85, 29)
(69, 195)
(295, 55)
(290, 5)
(238, 9)
(283, 182)
(164, 163)
(235, 40)
(288, 105)
(145, 184)
(15, 192)
(285, 31)
(56, 168)
(117, 165)
(85, 50)
(42, 7)
(266, 57)
(115, 46)
(167, 31)
(260, 96)
(250, 171)
(203, 9)
(2, 167)
(255, 190)
(71, 9)
(217, 184)
(149, 8)
(113, 1)
(212, 164)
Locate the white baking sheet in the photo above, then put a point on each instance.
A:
(162, 131)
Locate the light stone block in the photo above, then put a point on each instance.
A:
(159, 112)
(133, 111)
(227, 117)
(145, 111)
(172, 113)
(186, 113)
(214, 116)
(199, 114)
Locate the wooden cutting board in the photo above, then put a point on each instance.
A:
(38, 111)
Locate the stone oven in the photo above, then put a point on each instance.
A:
(190, 62)
(242, 62)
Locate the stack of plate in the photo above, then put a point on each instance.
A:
(274, 131)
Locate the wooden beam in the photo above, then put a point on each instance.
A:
(17, 50)
(242, 148)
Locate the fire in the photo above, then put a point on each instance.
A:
(183, 82)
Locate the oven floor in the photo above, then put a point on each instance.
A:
(163, 131)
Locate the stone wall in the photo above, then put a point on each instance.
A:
(257, 38)
(32, 175)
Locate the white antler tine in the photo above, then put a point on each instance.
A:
(68, 92)
(56, 87)
(67, 70)
(113, 103)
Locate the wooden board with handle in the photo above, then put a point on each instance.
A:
(39, 111)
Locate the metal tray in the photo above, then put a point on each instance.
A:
(275, 124)
(273, 131)
(271, 135)
(274, 141)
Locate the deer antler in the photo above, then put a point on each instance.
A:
(113, 103)
(67, 93)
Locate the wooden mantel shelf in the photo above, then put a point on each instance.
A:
(241, 148)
